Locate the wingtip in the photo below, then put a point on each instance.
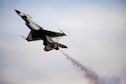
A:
(23, 37)
(62, 32)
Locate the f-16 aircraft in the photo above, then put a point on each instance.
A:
(39, 33)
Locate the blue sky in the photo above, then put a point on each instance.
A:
(95, 37)
(57, 3)
(67, 2)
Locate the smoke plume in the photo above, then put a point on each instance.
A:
(91, 75)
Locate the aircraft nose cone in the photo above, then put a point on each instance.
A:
(17, 11)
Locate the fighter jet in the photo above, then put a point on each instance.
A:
(39, 33)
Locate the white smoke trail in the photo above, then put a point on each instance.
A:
(91, 75)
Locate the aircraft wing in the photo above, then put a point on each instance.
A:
(32, 37)
(53, 34)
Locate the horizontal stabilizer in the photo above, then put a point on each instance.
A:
(62, 46)
(48, 48)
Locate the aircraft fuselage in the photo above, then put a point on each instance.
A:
(38, 33)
